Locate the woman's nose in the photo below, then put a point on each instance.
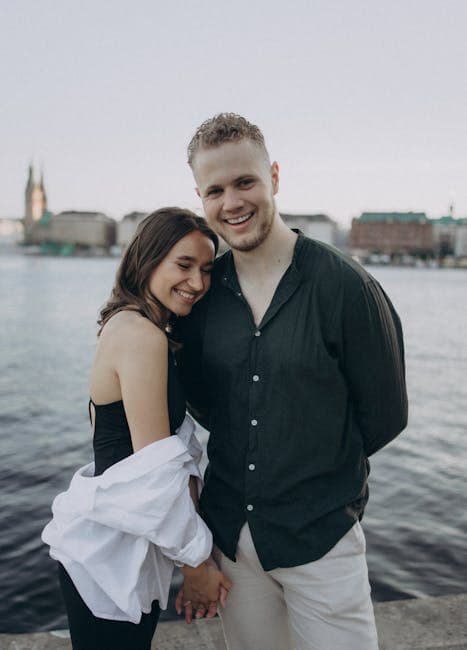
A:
(196, 281)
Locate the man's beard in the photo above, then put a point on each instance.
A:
(247, 244)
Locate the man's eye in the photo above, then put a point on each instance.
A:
(207, 271)
(183, 266)
(212, 192)
(245, 182)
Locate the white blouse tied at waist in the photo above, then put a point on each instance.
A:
(118, 534)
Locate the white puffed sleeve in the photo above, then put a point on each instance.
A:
(118, 534)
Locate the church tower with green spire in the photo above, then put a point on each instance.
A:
(35, 199)
(28, 195)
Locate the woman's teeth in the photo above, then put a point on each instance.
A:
(184, 294)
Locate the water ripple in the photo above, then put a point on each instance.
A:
(416, 520)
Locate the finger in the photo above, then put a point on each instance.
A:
(226, 583)
(200, 611)
(223, 593)
(179, 602)
(188, 612)
(212, 610)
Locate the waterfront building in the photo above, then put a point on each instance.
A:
(11, 231)
(83, 229)
(74, 230)
(315, 226)
(392, 234)
(444, 235)
(126, 228)
(460, 241)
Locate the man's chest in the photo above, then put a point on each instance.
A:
(259, 294)
(258, 299)
(287, 342)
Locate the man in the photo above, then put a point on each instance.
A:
(294, 362)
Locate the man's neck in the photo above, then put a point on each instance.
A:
(272, 256)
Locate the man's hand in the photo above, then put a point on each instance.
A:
(203, 587)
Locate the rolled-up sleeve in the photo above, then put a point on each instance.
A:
(374, 366)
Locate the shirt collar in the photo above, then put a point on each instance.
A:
(287, 286)
(229, 274)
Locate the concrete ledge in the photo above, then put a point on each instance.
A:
(419, 624)
(423, 623)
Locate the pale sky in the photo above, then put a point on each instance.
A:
(362, 102)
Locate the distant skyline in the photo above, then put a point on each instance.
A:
(363, 104)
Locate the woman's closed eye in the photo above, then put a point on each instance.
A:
(186, 267)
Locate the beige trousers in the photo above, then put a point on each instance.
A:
(323, 605)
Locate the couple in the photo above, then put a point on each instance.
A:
(291, 355)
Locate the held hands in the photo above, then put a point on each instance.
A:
(203, 587)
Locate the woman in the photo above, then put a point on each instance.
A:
(128, 518)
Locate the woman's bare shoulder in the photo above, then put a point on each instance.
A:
(129, 330)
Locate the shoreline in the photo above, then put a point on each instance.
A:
(115, 252)
(415, 624)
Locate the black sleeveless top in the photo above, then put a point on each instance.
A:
(112, 439)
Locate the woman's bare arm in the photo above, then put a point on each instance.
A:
(136, 353)
(141, 360)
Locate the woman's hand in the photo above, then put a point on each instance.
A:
(203, 587)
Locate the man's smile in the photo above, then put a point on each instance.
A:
(234, 221)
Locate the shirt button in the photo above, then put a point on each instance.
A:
(257, 333)
(239, 294)
(249, 507)
(251, 467)
(254, 422)
(255, 377)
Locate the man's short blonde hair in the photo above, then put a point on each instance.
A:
(224, 127)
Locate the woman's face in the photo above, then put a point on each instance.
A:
(184, 275)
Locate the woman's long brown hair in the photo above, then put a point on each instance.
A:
(154, 237)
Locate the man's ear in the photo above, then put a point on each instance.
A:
(197, 192)
(275, 177)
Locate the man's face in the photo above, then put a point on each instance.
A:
(237, 184)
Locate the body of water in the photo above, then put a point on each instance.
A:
(416, 520)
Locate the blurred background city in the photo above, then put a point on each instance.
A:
(397, 238)
(363, 105)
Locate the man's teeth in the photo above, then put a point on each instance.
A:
(239, 219)
(184, 294)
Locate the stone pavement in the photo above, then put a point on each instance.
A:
(418, 624)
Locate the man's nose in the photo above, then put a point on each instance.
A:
(232, 199)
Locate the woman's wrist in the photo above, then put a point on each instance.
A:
(189, 571)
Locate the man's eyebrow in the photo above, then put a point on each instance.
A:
(243, 177)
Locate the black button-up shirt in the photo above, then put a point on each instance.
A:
(294, 406)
